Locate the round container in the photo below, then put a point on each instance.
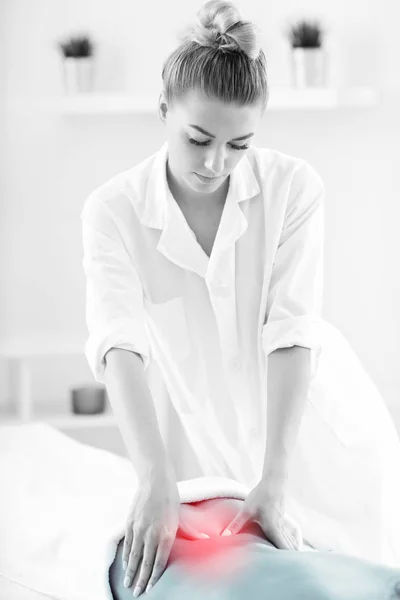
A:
(88, 400)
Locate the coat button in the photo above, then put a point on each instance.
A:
(236, 364)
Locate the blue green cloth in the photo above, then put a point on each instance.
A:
(263, 571)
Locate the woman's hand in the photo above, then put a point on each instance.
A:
(267, 509)
(151, 529)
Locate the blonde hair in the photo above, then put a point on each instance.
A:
(220, 56)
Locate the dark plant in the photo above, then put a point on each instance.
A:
(305, 34)
(79, 46)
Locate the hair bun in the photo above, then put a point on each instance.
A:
(219, 24)
(221, 57)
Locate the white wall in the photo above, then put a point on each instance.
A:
(51, 163)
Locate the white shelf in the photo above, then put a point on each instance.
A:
(280, 99)
(323, 98)
(62, 420)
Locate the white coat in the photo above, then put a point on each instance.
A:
(204, 328)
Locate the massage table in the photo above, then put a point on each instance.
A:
(63, 508)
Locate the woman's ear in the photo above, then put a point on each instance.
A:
(162, 107)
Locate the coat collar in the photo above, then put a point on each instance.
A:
(243, 185)
(177, 242)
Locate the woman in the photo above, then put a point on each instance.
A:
(204, 293)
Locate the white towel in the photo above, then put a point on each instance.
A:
(63, 509)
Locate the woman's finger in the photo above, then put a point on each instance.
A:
(280, 539)
(192, 533)
(293, 530)
(291, 540)
(133, 560)
(161, 560)
(127, 546)
(146, 568)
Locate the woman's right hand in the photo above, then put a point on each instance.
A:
(151, 527)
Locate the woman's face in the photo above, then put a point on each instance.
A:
(213, 152)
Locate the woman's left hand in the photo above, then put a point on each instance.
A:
(267, 509)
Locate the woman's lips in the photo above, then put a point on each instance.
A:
(206, 179)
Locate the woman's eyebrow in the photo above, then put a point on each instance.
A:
(242, 137)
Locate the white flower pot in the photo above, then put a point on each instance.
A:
(309, 67)
(78, 74)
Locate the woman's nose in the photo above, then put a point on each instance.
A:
(215, 162)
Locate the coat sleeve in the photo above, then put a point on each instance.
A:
(114, 294)
(296, 286)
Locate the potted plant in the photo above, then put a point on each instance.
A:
(308, 56)
(78, 63)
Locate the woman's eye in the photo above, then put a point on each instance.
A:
(196, 143)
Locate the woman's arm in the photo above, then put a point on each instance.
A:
(289, 371)
(133, 407)
(293, 317)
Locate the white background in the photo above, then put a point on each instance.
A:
(50, 163)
